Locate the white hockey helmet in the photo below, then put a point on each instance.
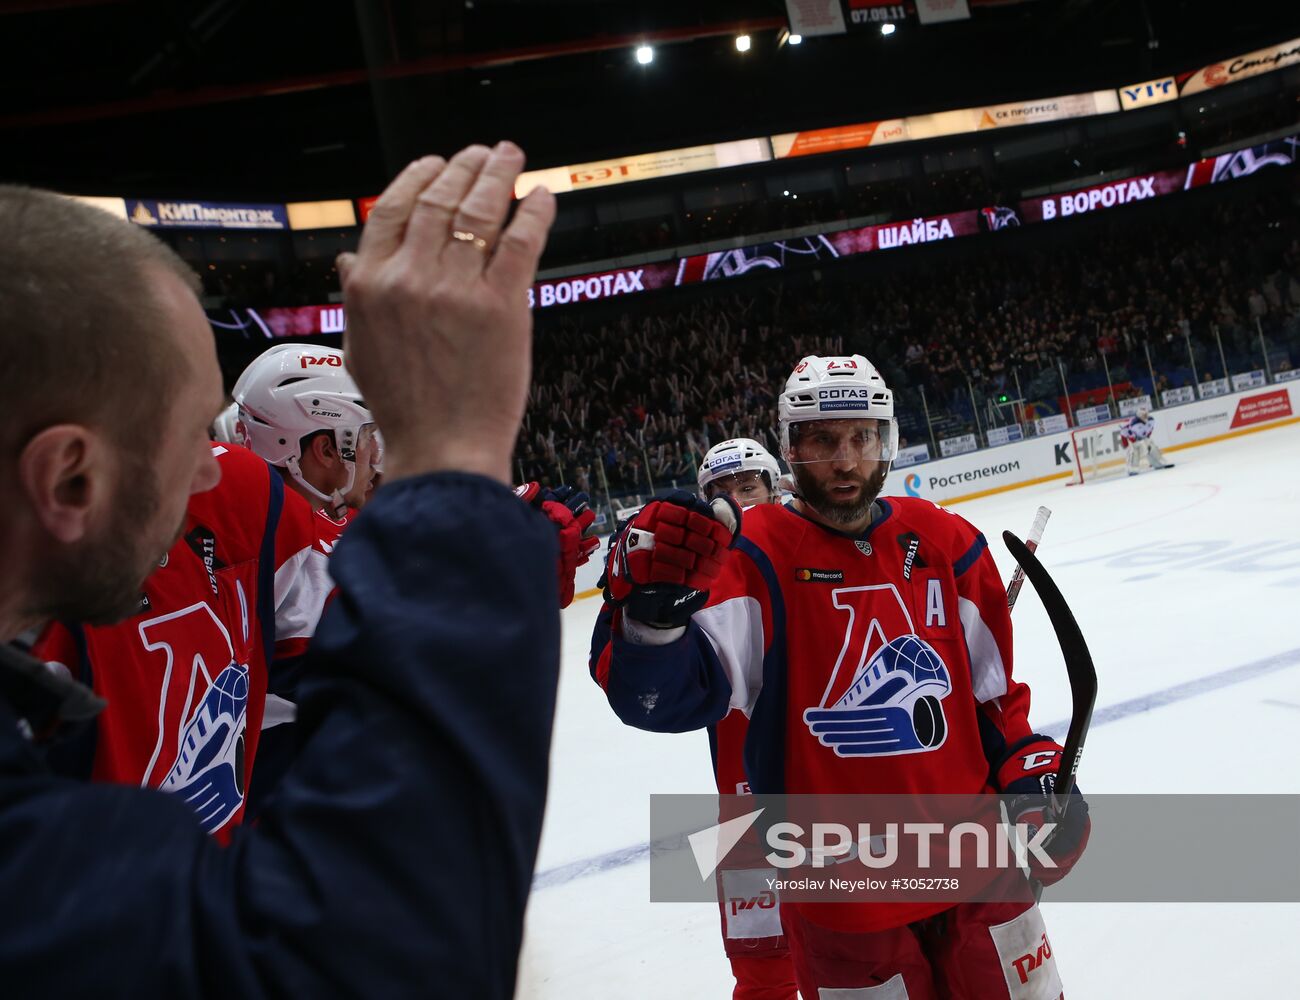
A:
(224, 428)
(294, 390)
(739, 455)
(838, 388)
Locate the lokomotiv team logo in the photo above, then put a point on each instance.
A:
(886, 691)
(209, 768)
(199, 749)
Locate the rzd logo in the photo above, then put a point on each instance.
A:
(763, 901)
(329, 360)
(1026, 964)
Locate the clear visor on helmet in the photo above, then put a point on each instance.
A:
(747, 488)
(354, 440)
(841, 440)
(370, 436)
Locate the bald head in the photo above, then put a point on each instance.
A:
(83, 339)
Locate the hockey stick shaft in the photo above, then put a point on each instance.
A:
(1031, 543)
(1078, 664)
(1079, 667)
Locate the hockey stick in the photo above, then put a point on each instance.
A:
(1078, 665)
(1031, 543)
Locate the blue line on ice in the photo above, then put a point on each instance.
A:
(1111, 713)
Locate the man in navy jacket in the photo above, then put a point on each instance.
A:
(397, 857)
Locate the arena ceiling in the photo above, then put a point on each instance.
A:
(258, 99)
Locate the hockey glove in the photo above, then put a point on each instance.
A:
(1028, 775)
(661, 567)
(568, 509)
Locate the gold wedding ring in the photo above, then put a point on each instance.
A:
(467, 237)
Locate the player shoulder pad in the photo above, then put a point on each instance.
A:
(766, 523)
(235, 509)
(944, 528)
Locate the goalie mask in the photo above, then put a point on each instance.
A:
(738, 459)
(293, 391)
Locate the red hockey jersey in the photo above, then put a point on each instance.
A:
(186, 677)
(879, 663)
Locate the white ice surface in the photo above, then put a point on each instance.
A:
(1174, 576)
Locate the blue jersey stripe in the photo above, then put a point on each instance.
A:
(972, 554)
(266, 566)
(765, 741)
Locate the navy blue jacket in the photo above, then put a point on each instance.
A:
(395, 859)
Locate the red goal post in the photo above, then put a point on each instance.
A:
(1098, 452)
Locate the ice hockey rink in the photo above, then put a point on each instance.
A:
(1186, 583)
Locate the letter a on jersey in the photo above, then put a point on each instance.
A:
(934, 610)
(886, 691)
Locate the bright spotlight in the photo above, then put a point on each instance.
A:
(795, 39)
(886, 29)
(645, 55)
(742, 43)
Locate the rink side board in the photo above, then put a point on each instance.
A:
(1051, 457)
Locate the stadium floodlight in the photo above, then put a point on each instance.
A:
(794, 39)
(887, 29)
(742, 43)
(645, 55)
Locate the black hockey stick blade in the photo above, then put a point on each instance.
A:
(1078, 664)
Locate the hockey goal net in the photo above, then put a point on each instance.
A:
(1098, 452)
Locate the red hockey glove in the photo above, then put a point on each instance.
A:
(661, 568)
(1028, 775)
(569, 510)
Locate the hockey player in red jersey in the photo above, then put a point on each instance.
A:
(187, 691)
(784, 619)
(301, 411)
(210, 663)
(744, 470)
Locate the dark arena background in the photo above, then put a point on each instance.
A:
(1034, 216)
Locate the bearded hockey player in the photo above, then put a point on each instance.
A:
(702, 619)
